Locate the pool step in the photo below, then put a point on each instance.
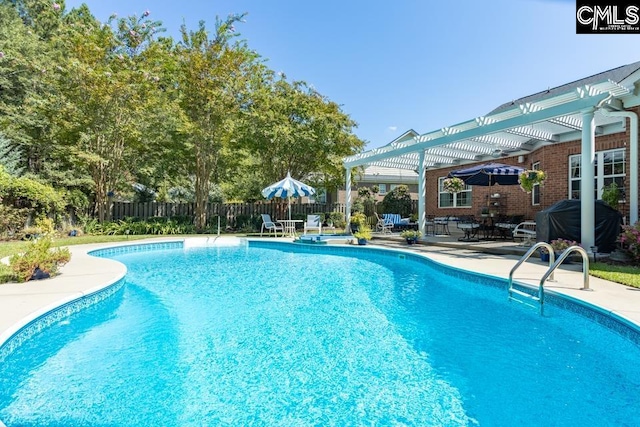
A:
(524, 298)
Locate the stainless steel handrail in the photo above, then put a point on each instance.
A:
(562, 257)
(553, 265)
(525, 257)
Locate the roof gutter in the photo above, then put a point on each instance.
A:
(633, 162)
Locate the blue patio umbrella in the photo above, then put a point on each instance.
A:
(488, 174)
(286, 189)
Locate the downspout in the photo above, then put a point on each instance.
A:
(633, 161)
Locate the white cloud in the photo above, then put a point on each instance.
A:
(393, 128)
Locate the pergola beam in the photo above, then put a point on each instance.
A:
(476, 128)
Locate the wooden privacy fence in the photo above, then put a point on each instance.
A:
(277, 209)
(228, 211)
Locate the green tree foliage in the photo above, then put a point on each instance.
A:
(26, 64)
(92, 108)
(10, 157)
(214, 78)
(398, 201)
(108, 90)
(291, 127)
(24, 192)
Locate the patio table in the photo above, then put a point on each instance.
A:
(289, 226)
(505, 229)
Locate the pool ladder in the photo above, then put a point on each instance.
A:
(535, 300)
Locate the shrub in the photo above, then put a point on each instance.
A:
(364, 232)
(398, 201)
(12, 220)
(24, 192)
(38, 255)
(358, 219)
(411, 234)
(338, 219)
(45, 225)
(629, 240)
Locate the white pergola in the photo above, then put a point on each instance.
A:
(555, 116)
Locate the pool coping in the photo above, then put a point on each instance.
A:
(88, 278)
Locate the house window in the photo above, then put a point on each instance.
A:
(319, 197)
(382, 189)
(609, 167)
(457, 200)
(535, 191)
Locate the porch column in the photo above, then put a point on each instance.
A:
(587, 181)
(422, 194)
(347, 198)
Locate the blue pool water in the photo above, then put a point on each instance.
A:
(242, 336)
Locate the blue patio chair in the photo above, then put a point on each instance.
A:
(270, 226)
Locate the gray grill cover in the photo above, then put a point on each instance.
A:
(562, 220)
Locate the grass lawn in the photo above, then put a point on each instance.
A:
(625, 274)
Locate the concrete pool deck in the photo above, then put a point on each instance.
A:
(20, 303)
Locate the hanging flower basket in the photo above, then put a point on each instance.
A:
(453, 185)
(529, 178)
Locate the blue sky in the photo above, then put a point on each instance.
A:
(407, 64)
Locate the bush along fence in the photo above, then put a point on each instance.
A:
(232, 215)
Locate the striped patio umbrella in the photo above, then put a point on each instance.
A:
(489, 174)
(286, 189)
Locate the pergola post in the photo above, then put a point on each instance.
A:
(347, 198)
(587, 179)
(422, 193)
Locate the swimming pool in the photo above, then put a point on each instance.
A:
(277, 334)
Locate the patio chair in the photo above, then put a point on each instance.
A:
(382, 225)
(469, 227)
(270, 226)
(429, 225)
(313, 223)
(441, 225)
(526, 231)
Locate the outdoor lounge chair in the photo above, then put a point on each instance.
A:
(526, 231)
(270, 226)
(313, 223)
(382, 225)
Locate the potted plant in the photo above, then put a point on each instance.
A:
(411, 236)
(529, 178)
(484, 211)
(363, 234)
(358, 219)
(560, 245)
(453, 185)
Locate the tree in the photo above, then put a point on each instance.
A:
(215, 75)
(10, 157)
(398, 200)
(290, 127)
(26, 63)
(108, 88)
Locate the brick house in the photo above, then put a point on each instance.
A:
(591, 121)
